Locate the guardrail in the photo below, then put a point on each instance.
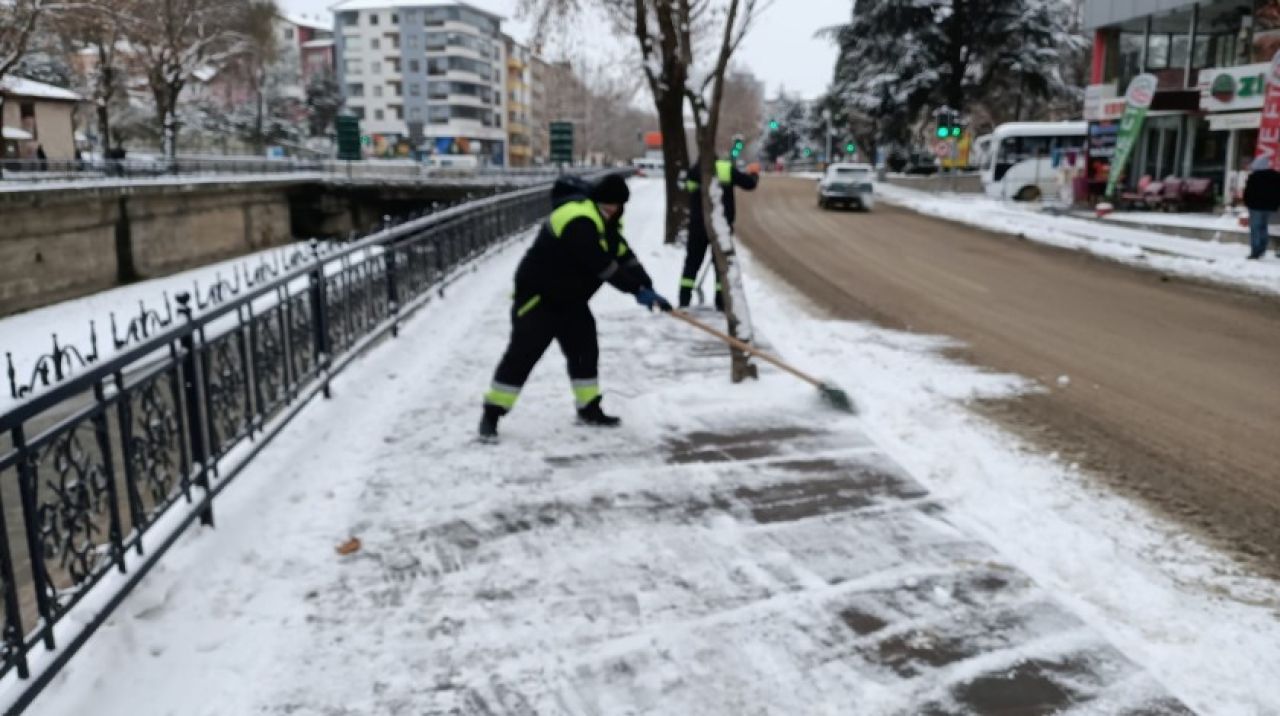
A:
(101, 474)
(47, 170)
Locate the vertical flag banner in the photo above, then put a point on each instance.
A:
(1137, 101)
(1269, 130)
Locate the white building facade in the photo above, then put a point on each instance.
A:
(424, 77)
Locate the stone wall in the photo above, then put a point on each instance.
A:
(56, 245)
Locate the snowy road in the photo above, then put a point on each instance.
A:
(730, 550)
(1167, 389)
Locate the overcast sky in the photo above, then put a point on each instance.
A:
(781, 50)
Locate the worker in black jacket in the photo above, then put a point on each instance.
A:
(579, 248)
(728, 176)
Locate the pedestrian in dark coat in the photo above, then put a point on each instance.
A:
(1262, 197)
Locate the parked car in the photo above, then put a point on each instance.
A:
(847, 185)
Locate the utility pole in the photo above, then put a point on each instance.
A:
(826, 116)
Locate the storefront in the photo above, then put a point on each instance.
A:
(1232, 99)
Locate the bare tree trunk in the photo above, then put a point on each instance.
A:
(258, 139)
(675, 156)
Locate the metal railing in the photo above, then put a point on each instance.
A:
(61, 170)
(101, 474)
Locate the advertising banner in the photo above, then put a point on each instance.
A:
(1137, 101)
(1269, 130)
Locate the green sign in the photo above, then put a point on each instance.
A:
(562, 142)
(349, 139)
(1137, 101)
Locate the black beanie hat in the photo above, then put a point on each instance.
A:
(611, 190)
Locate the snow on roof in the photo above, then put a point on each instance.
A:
(15, 133)
(23, 87)
(388, 4)
(313, 22)
(325, 42)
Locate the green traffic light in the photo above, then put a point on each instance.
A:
(943, 132)
(773, 125)
(849, 148)
(808, 152)
(955, 131)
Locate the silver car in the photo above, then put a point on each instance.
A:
(847, 185)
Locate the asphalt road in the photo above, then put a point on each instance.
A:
(1174, 387)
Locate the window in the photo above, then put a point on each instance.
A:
(1158, 52)
(415, 113)
(355, 89)
(377, 90)
(397, 111)
(353, 67)
(375, 44)
(288, 33)
(395, 64)
(414, 89)
(357, 112)
(395, 41)
(349, 19)
(375, 68)
(437, 90)
(354, 42)
(395, 89)
(413, 42)
(395, 19)
(27, 110)
(378, 115)
(438, 115)
(414, 67)
(373, 18)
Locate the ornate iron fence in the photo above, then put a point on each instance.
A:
(102, 473)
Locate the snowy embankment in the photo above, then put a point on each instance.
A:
(577, 572)
(1221, 262)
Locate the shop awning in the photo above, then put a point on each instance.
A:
(17, 134)
(1228, 121)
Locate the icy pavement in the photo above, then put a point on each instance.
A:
(730, 550)
(1222, 262)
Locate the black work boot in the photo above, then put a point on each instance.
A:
(686, 296)
(489, 423)
(592, 415)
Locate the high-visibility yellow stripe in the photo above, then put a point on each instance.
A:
(501, 398)
(584, 394)
(622, 249)
(688, 283)
(691, 186)
(561, 217)
(528, 306)
(724, 171)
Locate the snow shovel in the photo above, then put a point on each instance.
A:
(831, 395)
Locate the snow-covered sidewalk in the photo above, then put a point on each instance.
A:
(1219, 261)
(730, 550)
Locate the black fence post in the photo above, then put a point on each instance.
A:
(193, 400)
(320, 317)
(393, 294)
(13, 632)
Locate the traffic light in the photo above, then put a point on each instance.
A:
(850, 148)
(808, 152)
(957, 130)
(948, 124)
(738, 145)
(774, 125)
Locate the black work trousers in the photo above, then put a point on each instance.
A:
(695, 253)
(532, 330)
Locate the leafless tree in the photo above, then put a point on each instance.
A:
(742, 110)
(98, 25)
(174, 39)
(706, 92)
(256, 27)
(665, 63)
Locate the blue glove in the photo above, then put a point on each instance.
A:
(649, 299)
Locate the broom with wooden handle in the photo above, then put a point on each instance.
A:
(831, 395)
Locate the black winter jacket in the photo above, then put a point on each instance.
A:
(740, 180)
(567, 269)
(1262, 190)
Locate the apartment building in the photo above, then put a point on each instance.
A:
(424, 77)
(519, 103)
